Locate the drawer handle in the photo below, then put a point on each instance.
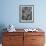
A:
(11, 38)
(33, 39)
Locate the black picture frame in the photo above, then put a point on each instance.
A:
(26, 13)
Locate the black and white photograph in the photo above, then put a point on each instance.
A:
(26, 13)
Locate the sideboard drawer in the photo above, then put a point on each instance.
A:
(34, 33)
(13, 33)
(37, 39)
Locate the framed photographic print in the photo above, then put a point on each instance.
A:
(26, 13)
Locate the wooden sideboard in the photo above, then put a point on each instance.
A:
(23, 39)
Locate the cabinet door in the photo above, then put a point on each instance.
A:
(18, 41)
(13, 40)
(37, 40)
(27, 40)
(33, 39)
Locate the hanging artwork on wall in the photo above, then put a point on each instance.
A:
(26, 13)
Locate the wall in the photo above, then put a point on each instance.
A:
(10, 13)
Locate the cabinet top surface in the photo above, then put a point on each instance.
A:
(22, 30)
